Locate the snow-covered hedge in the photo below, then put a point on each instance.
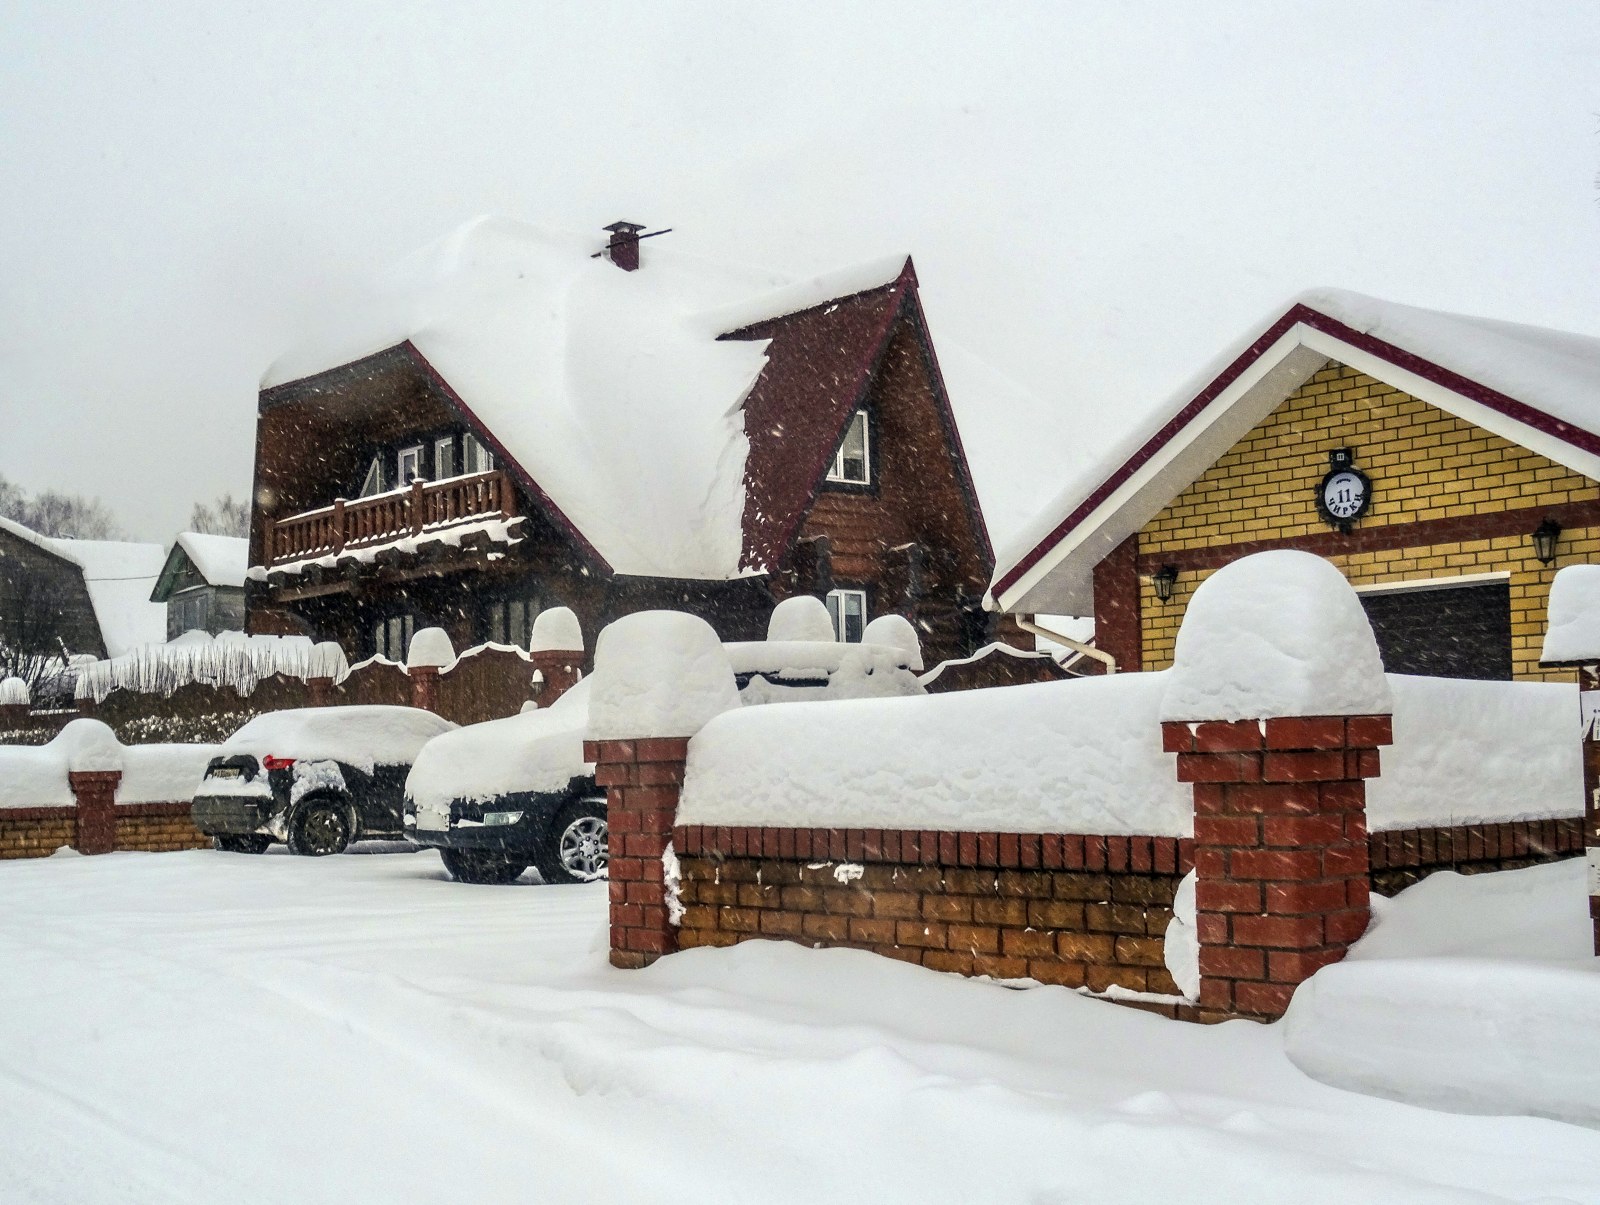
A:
(36, 776)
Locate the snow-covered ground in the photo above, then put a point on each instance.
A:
(204, 1027)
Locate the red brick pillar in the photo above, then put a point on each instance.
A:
(96, 795)
(559, 670)
(320, 691)
(424, 686)
(1280, 832)
(1591, 800)
(13, 715)
(642, 779)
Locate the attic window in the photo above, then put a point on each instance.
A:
(410, 464)
(373, 482)
(475, 457)
(852, 463)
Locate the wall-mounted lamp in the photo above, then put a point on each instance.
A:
(1545, 537)
(1163, 580)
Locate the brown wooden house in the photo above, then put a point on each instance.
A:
(614, 432)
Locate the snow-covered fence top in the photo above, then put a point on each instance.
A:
(1085, 756)
(229, 659)
(1059, 757)
(36, 776)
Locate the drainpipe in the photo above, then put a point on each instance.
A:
(1077, 646)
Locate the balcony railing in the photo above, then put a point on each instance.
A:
(381, 518)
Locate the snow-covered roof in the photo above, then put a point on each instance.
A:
(1535, 387)
(625, 398)
(221, 560)
(120, 576)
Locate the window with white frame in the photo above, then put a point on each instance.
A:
(444, 457)
(852, 463)
(475, 457)
(509, 620)
(848, 610)
(409, 465)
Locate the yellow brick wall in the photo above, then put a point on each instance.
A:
(1424, 464)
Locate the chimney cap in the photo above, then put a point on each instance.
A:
(623, 228)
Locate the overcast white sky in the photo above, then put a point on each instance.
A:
(1099, 196)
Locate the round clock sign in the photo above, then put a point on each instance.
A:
(1345, 493)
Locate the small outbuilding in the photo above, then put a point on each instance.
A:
(202, 583)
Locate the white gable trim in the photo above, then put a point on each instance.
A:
(1062, 581)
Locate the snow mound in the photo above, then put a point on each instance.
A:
(658, 673)
(162, 773)
(14, 693)
(556, 629)
(896, 630)
(1180, 948)
(362, 737)
(1470, 752)
(801, 618)
(430, 649)
(1475, 994)
(1061, 757)
(539, 750)
(1573, 631)
(327, 660)
(1275, 634)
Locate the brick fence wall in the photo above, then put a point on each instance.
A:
(148, 827)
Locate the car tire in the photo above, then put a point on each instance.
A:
(320, 827)
(475, 866)
(576, 847)
(242, 843)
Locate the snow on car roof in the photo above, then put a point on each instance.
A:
(361, 736)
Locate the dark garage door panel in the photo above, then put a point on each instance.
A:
(1458, 633)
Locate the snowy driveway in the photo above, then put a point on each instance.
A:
(219, 1028)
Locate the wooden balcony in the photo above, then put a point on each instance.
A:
(383, 518)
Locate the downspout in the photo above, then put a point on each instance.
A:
(1087, 650)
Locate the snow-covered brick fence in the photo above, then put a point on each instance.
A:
(1572, 638)
(1047, 831)
(87, 791)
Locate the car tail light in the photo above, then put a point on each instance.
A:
(276, 763)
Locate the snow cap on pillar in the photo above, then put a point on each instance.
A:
(430, 649)
(802, 617)
(1275, 634)
(88, 746)
(556, 630)
(898, 632)
(1573, 629)
(14, 693)
(658, 674)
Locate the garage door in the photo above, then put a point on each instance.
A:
(1464, 632)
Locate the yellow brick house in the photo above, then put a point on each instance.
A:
(1447, 465)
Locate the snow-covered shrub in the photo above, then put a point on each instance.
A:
(802, 617)
(897, 631)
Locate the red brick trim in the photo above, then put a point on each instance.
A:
(1415, 533)
(976, 850)
(51, 813)
(1397, 849)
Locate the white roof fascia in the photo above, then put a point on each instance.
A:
(1551, 447)
(1260, 388)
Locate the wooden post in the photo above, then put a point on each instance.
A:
(338, 525)
(416, 506)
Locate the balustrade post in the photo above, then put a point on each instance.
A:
(508, 496)
(338, 524)
(416, 506)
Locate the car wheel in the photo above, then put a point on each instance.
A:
(245, 843)
(319, 828)
(577, 847)
(474, 866)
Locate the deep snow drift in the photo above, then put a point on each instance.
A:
(206, 1027)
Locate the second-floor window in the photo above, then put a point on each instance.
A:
(372, 483)
(852, 463)
(444, 457)
(509, 620)
(409, 463)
